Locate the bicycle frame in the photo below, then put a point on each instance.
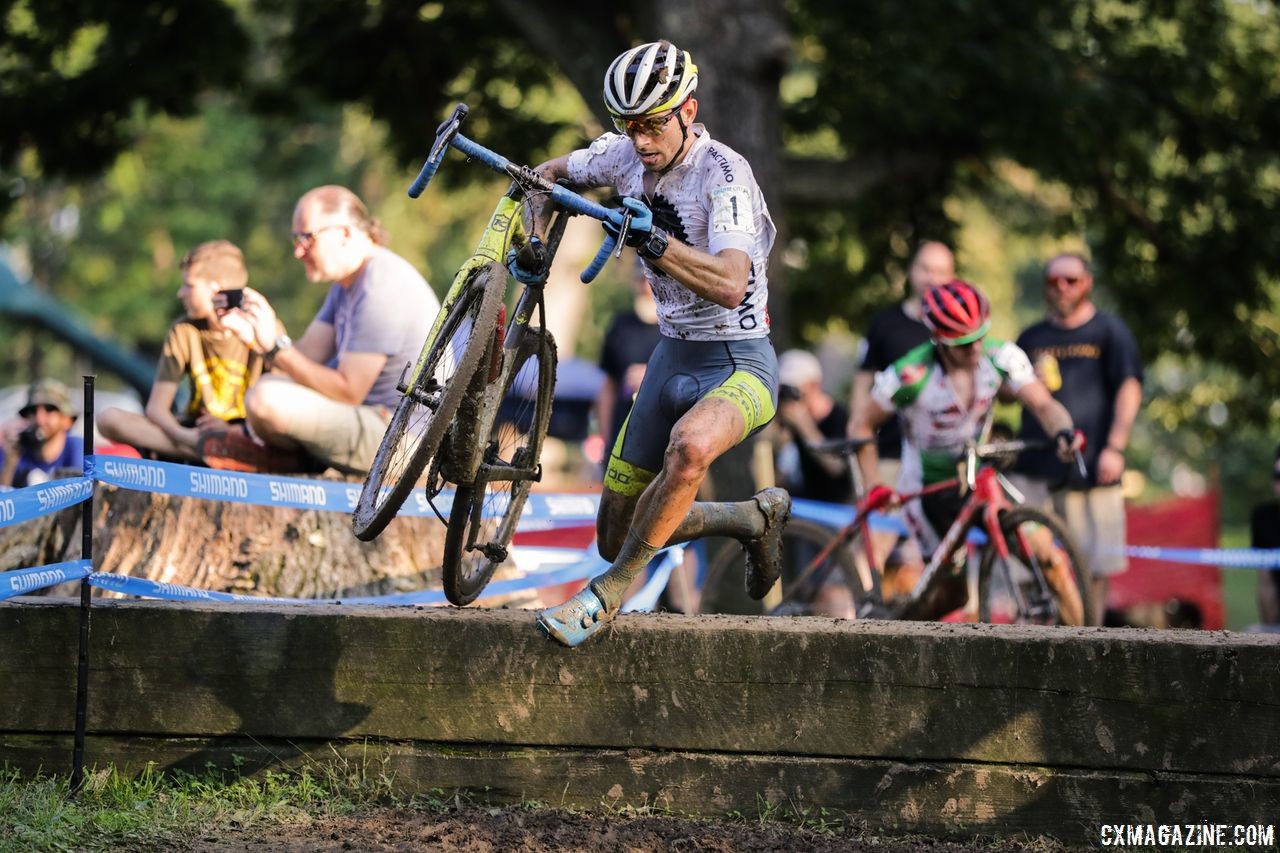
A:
(988, 495)
(506, 226)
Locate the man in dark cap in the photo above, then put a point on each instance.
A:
(37, 443)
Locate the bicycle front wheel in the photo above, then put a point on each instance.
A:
(418, 426)
(1043, 581)
(485, 511)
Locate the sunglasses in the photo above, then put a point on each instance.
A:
(307, 239)
(1068, 280)
(649, 125)
(28, 411)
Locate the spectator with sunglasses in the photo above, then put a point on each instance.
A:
(701, 226)
(330, 395)
(35, 445)
(1089, 360)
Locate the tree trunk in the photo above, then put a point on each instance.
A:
(232, 547)
(742, 49)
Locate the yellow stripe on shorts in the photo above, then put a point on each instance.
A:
(751, 396)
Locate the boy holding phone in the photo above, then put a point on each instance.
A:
(198, 348)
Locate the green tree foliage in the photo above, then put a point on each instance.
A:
(409, 62)
(1158, 117)
(74, 73)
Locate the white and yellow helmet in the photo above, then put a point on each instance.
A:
(651, 78)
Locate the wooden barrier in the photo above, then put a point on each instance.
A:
(940, 729)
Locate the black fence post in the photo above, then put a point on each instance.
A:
(86, 553)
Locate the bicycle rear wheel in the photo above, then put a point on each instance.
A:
(802, 572)
(418, 426)
(486, 510)
(1043, 581)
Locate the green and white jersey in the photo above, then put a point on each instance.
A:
(935, 427)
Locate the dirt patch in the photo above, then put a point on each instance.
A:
(476, 829)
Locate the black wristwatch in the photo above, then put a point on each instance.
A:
(283, 342)
(655, 247)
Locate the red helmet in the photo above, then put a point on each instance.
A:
(956, 312)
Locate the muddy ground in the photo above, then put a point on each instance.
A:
(476, 829)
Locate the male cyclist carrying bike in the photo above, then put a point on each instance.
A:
(704, 233)
(943, 391)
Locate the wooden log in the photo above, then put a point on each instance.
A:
(1124, 700)
(232, 547)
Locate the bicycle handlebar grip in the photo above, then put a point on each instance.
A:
(601, 258)
(444, 136)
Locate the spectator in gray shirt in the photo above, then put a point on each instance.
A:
(331, 394)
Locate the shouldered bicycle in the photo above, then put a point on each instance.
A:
(477, 403)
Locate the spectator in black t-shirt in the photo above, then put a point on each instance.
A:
(894, 332)
(1264, 532)
(1089, 360)
(629, 340)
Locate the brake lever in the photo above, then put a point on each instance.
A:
(622, 232)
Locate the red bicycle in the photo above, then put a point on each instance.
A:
(1028, 568)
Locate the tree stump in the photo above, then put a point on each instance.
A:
(232, 547)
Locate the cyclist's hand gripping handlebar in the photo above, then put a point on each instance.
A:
(878, 498)
(1070, 444)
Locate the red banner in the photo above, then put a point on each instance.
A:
(1177, 587)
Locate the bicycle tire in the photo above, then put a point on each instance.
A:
(1025, 580)
(416, 429)
(485, 512)
(802, 540)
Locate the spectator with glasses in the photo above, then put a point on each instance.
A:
(1089, 361)
(331, 394)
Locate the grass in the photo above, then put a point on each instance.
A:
(1239, 586)
(155, 811)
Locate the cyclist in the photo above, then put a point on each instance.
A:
(701, 226)
(942, 392)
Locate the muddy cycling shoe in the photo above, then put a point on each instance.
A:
(764, 554)
(576, 621)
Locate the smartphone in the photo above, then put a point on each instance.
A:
(232, 298)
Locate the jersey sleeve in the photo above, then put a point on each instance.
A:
(885, 388)
(1012, 363)
(598, 164)
(736, 211)
(175, 357)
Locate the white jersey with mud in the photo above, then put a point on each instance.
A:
(934, 424)
(709, 201)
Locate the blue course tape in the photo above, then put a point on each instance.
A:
(267, 490)
(838, 515)
(588, 567)
(174, 592)
(31, 502)
(1226, 558)
(22, 581)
